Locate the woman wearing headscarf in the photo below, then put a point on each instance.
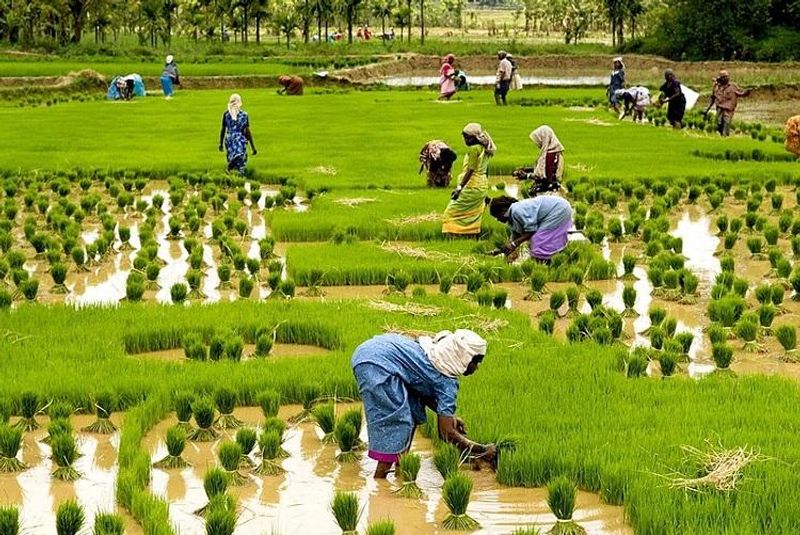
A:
(463, 214)
(672, 94)
(399, 378)
(169, 76)
(549, 168)
(544, 222)
(235, 134)
(290, 85)
(616, 83)
(437, 158)
(447, 76)
(793, 135)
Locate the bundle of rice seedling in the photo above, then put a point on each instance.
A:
(557, 300)
(246, 438)
(215, 484)
(787, 337)
(538, 279)
(324, 416)
(594, 297)
(221, 520)
(408, 468)
(447, 458)
(344, 507)
(629, 300)
(573, 294)
(69, 518)
(108, 524)
(355, 418)
(10, 442)
(381, 527)
(636, 365)
(103, 403)
(668, 362)
(747, 330)
(561, 494)
(270, 444)
(176, 442)
(455, 493)
(65, 453)
(270, 402)
(9, 520)
(547, 322)
(685, 339)
(347, 440)
(279, 426)
(29, 408)
(57, 426)
(628, 264)
(526, 531)
(225, 400)
(183, 409)
(203, 411)
(230, 455)
(722, 355)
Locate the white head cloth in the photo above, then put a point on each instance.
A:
(451, 353)
(476, 130)
(170, 59)
(234, 105)
(546, 140)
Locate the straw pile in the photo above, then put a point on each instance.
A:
(412, 309)
(722, 468)
(414, 219)
(353, 201)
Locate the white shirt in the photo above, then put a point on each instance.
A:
(504, 70)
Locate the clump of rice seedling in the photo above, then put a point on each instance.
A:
(344, 507)
(381, 527)
(65, 453)
(221, 519)
(763, 293)
(722, 355)
(484, 297)
(203, 411)
(475, 282)
(526, 531)
(727, 263)
(10, 442)
(685, 340)
(57, 426)
(657, 337)
(270, 443)
(230, 455)
(279, 426)
(447, 458)
(499, 298)
(355, 418)
(270, 402)
(176, 442)
(183, 409)
(628, 264)
(794, 281)
(594, 298)
(726, 310)
(561, 495)
(263, 345)
(179, 292)
(755, 245)
(324, 416)
(225, 400)
(557, 301)
(573, 294)
(668, 362)
(193, 346)
(748, 331)
(246, 438)
(308, 395)
(547, 322)
(215, 484)
(445, 284)
(636, 365)
(670, 325)
(103, 403)
(766, 315)
(455, 493)
(69, 518)
(629, 300)
(777, 292)
(9, 520)
(409, 466)
(108, 524)
(538, 282)
(234, 347)
(787, 337)
(397, 281)
(29, 407)
(346, 438)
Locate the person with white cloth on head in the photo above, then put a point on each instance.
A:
(169, 77)
(400, 377)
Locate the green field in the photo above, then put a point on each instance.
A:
(578, 402)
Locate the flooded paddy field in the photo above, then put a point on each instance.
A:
(660, 337)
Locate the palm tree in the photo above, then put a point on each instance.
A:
(260, 10)
(350, 11)
(285, 20)
(382, 9)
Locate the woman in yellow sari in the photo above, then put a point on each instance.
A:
(462, 217)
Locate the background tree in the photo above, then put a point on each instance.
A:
(285, 20)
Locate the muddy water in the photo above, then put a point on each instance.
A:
(298, 501)
(38, 495)
(699, 245)
(278, 351)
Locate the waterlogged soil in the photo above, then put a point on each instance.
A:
(298, 500)
(278, 351)
(38, 495)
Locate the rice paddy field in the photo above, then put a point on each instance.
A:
(175, 341)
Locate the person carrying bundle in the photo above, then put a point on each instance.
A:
(543, 221)
(437, 158)
(400, 377)
(549, 169)
(725, 95)
(672, 94)
(290, 85)
(447, 77)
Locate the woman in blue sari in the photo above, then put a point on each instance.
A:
(235, 134)
(399, 378)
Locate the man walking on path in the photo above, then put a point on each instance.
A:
(503, 80)
(725, 95)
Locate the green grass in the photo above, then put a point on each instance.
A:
(373, 145)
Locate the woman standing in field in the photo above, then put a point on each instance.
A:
(447, 76)
(672, 94)
(616, 83)
(169, 77)
(463, 214)
(235, 134)
(544, 221)
(399, 377)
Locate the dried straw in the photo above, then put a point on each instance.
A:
(723, 468)
(411, 333)
(350, 202)
(408, 308)
(414, 219)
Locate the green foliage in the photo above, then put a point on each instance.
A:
(9, 520)
(108, 524)
(446, 459)
(455, 494)
(344, 507)
(69, 518)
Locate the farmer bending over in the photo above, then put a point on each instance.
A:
(725, 94)
(545, 221)
(290, 85)
(549, 169)
(399, 377)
